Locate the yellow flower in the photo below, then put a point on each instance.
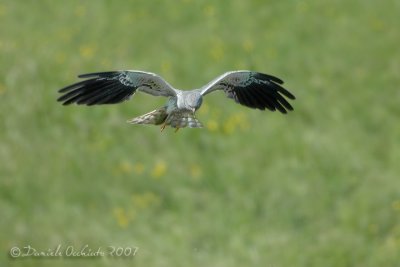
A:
(228, 127)
(145, 200)
(240, 120)
(80, 11)
(165, 66)
(87, 51)
(396, 205)
(248, 46)
(3, 10)
(373, 228)
(204, 109)
(195, 171)
(160, 168)
(212, 125)
(2, 88)
(217, 51)
(105, 63)
(65, 35)
(235, 121)
(302, 7)
(209, 10)
(122, 217)
(138, 168)
(377, 24)
(60, 57)
(272, 53)
(125, 167)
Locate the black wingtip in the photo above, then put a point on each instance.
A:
(65, 89)
(287, 94)
(97, 74)
(105, 89)
(264, 76)
(265, 93)
(63, 101)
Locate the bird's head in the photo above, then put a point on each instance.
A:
(194, 101)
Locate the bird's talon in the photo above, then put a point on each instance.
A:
(177, 128)
(163, 127)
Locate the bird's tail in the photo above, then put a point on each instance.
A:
(182, 120)
(155, 117)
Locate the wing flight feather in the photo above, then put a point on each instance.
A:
(252, 89)
(114, 87)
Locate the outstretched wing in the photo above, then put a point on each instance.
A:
(114, 87)
(252, 89)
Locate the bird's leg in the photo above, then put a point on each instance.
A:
(163, 126)
(177, 129)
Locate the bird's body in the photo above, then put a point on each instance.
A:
(252, 89)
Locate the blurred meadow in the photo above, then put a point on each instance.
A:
(317, 187)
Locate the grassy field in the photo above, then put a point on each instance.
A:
(317, 187)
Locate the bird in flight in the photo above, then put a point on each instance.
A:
(252, 89)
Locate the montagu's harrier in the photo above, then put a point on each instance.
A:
(251, 89)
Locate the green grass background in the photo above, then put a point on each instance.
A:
(317, 187)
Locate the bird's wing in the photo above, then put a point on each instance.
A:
(114, 87)
(252, 89)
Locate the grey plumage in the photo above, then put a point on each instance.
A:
(251, 89)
